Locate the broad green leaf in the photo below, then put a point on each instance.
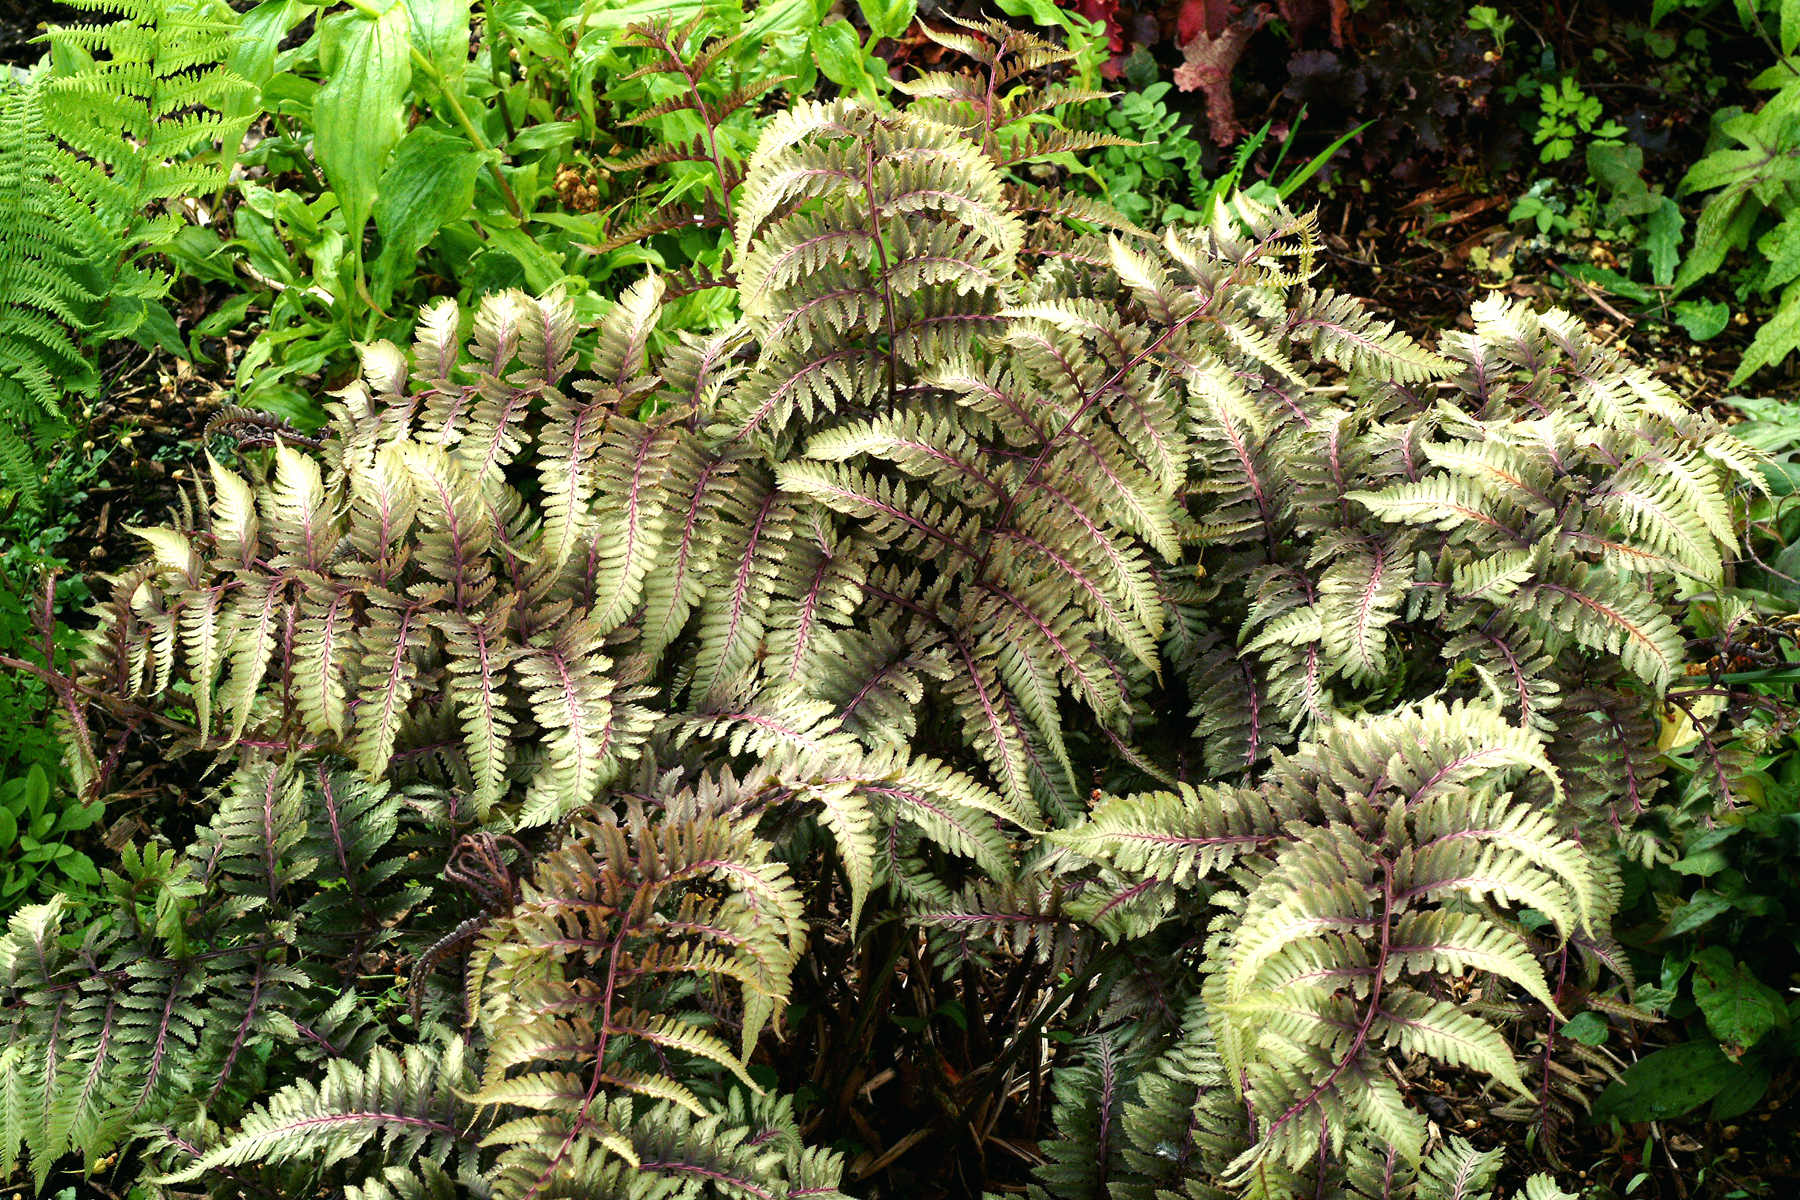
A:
(888, 18)
(542, 269)
(1743, 1093)
(430, 183)
(143, 320)
(1612, 281)
(1712, 237)
(227, 317)
(37, 788)
(1668, 1083)
(1778, 337)
(291, 94)
(840, 55)
(1590, 1029)
(440, 32)
(1702, 907)
(359, 114)
(80, 816)
(1781, 246)
(551, 135)
(1702, 319)
(1739, 1007)
(253, 52)
(1619, 167)
(80, 868)
(1663, 240)
(1726, 168)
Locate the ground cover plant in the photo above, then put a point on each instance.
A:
(945, 687)
(1671, 194)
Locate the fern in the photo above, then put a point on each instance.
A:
(411, 1104)
(1121, 634)
(1359, 869)
(45, 288)
(92, 158)
(192, 977)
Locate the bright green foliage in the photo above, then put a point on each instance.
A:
(92, 157)
(44, 291)
(1755, 181)
(134, 106)
(1160, 162)
(1752, 170)
(477, 149)
(822, 632)
(1569, 114)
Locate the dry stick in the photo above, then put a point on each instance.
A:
(1593, 293)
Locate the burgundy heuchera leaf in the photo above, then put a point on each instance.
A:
(1106, 12)
(1210, 61)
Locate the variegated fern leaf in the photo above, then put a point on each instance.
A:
(1138, 1123)
(1521, 515)
(1348, 897)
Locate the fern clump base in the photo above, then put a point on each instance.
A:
(1016, 614)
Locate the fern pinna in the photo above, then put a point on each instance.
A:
(844, 659)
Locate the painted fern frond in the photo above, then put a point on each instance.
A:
(411, 1103)
(1341, 332)
(1357, 865)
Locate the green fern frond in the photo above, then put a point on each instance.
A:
(412, 1104)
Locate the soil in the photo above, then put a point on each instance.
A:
(21, 22)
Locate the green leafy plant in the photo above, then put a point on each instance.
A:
(91, 153)
(1160, 165)
(37, 857)
(484, 163)
(1618, 168)
(1705, 922)
(1755, 181)
(1104, 636)
(1568, 115)
(1152, 169)
(38, 813)
(1485, 18)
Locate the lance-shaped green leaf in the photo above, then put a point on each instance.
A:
(359, 114)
